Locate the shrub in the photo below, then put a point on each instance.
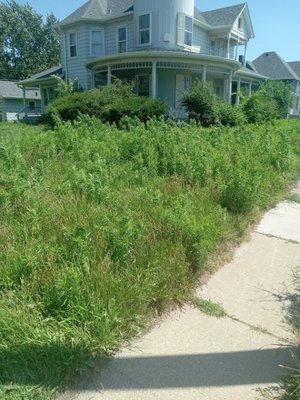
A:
(202, 104)
(271, 101)
(259, 109)
(111, 103)
(230, 115)
(144, 108)
(281, 93)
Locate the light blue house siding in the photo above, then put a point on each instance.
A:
(111, 38)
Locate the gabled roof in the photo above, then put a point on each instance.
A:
(223, 16)
(56, 70)
(295, 65)
(272, 65)
(11, 90)
(98, 9)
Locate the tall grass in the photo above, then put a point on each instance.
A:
(101, 229)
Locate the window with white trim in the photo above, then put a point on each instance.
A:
(122, 40)
(143, 85)
(184, 30)
(97, 42)
(73, 44)
(145, 29)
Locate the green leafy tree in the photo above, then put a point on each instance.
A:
(28, 43)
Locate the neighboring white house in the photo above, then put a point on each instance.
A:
(161, 45)
(14, 103)
(273, 66)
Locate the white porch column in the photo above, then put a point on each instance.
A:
(228, 46)
(154, 79)
(204, 73)
(230, 87)
(42, 99)
(109, 75)
(24, 96)
(245, 54)
(237, 100)
(250, 89)
(237, 49)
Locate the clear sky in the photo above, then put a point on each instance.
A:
(276, 22)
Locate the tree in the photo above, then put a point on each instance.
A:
(28, 44)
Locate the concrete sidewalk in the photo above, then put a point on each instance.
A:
(190, 356)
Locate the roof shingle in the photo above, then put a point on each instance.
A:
(11, 90)
(272, 65)
(295, 65)
(97, 9)
(222, 16)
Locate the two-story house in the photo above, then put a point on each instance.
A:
(160, 45)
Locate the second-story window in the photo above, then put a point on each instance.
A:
(122, 40)
(145, 29)
(97, 42)
(185, 30)
(73, 44)
(188, 32)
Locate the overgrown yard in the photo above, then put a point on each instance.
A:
(101, 229)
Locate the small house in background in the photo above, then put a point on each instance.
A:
(274, 67)
(17, 103)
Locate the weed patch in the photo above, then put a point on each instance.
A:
(210, 308)
(101, 229)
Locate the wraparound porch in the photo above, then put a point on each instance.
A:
(166, 75)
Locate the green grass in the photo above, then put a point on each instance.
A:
(102, 229)
(210, 308)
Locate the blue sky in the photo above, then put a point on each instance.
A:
(276, 22)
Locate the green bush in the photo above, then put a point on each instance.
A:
(202, 104)
(271, 101)
(279, 92)
(259, 109)
(230, 115)
(144, 108)
(102, 229)
(111, 103)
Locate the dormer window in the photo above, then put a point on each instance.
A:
(73, 44)
(185, 30)
(145, 29)
(122, 40)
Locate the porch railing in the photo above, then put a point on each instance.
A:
(29, 112)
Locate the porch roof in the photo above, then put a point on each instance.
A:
(42, 77)
(164, 55)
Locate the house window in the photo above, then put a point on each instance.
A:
(73, 44)
(122, 40)
(31, 105)
(185, 30)
(145, 29)
(213, 48)
(143, 85)
(97, 43)
(240, 23)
